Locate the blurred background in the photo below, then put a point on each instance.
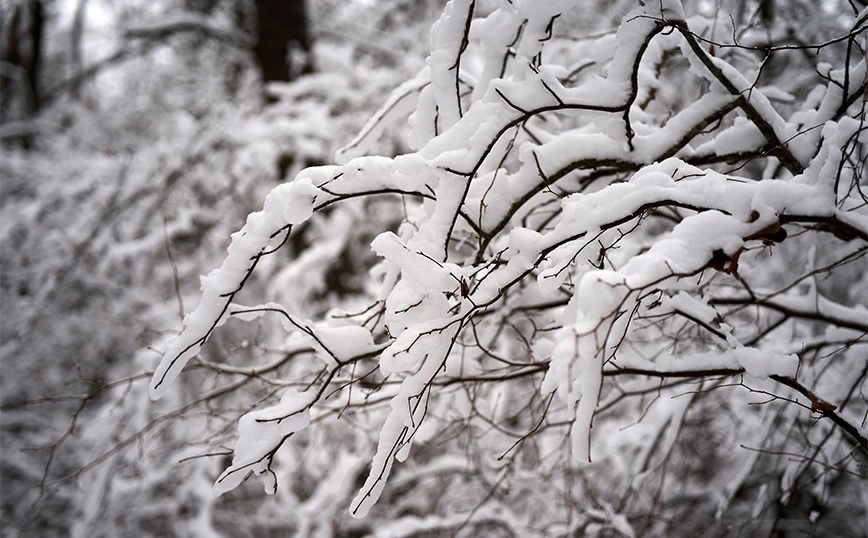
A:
(136, 136)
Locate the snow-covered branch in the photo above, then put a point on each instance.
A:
(658, 213)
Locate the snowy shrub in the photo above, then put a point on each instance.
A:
(595, 273)
(616, 286)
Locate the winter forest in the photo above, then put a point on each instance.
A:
(417, 268)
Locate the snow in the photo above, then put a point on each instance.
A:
(524, 247)
(830, 97)
(335, 342)
(408, 410)
(402, 355)
(217, 289)
(296, 201)
(392, 436)
(761, 364)
(854, 317)
(757, 364)
(738, 84)
(447, 41)
(743, 135)
(260, 433)
(576, 368)
(342, 343)
(420, 270)
(291, 203)
(494, 32)
(731, 203)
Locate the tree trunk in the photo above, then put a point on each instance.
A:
(283, 39)
(20, 57)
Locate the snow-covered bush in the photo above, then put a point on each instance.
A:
(616, 287)
(621, 287)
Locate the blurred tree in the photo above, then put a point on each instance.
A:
(164, 149)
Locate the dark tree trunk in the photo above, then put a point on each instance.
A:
(21, 54)
(283, 39)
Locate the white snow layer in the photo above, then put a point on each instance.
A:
(260, 434)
